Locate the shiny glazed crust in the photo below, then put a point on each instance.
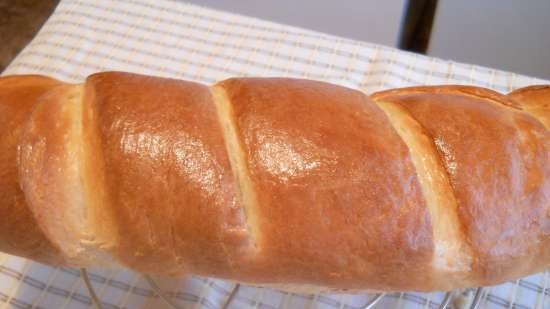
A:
(279, 182)
(19, 231)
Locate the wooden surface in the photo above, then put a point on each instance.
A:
(19, 22)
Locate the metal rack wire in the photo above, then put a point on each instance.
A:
(371, 303)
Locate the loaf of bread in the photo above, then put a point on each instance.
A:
(276, 181)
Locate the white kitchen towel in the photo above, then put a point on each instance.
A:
(175, 39)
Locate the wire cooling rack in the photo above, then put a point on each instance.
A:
(174, 39)
(70, 288)
(370, 304)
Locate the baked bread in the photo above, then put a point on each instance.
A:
(277, 181)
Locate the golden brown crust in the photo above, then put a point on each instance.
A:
(50, 170)
(168, 176)
(245, 194)
(62, 177)
(452, 259)
(102, 230)
(499, 165)
(535, 100)
(278, 182)
(483, 94)
(19, 232)
(338, 205)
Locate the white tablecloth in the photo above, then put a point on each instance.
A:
(175, 39)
